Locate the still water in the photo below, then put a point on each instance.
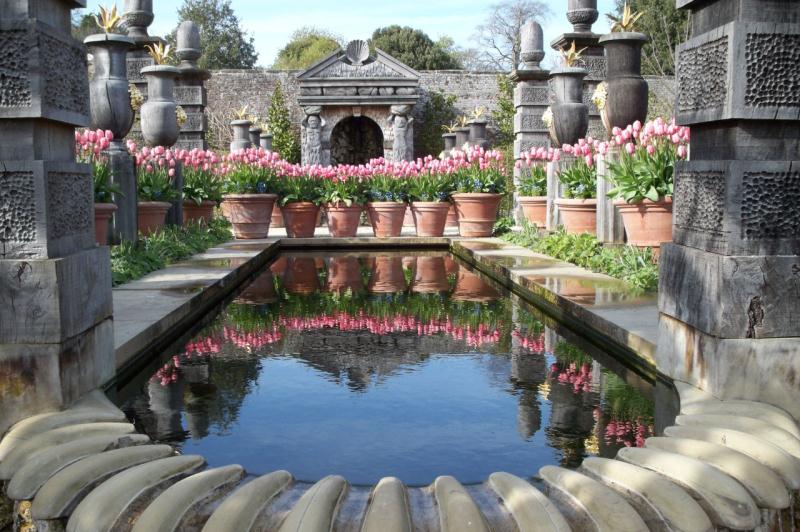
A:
(380, 364)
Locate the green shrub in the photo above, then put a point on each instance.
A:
(285, 140)
(438, 111)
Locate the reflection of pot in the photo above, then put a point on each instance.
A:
(387, 275)
(301, 276)
(577, 290)
(278, 267)
(260, 291)
(102, 216)
(344, 273)
(470, 287)
(192, 212)
(430, 275)
(450, 265)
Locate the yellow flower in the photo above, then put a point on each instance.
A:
(108, 18)
(159, 52)
(136, 97)
(599, 96)
(627, 21)
(547, 117)
(571, 55)
(180, 114)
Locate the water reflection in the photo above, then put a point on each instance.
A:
(375, 365)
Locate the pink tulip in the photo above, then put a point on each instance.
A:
(630, 148)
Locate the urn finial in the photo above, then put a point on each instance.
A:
(531, 45)
(188, 41)
(138, 15)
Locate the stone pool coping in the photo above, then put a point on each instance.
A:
(151, 312)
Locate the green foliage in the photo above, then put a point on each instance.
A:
(300, 188)
(642, 175)
(201, 185)
(306, 46)
(103, 187)
(285, 140)
(437, 111)
(503, 115)
(580, 180)
(414, 48)
(476, 179)
(155, 184)
(533, 181)
(223, 41)
(169, 244)
(430, 187)
(349, 191)
(667, 27)
(503, 225)
(387, 188)
(250, 179)
(633, 265)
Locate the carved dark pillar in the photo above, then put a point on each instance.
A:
(190, 91)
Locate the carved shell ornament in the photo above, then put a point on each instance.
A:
(357, 52)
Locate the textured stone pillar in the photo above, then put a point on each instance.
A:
(553, 193)
(190, 91)
(531, 99)
(125, 221)
(610, 228)
(729, 294)
(56, 338)
(175, 213)
(593, 59)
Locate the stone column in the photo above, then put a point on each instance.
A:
(190, 91)
(593, 58)
(530, 100)
(729, 294)
(56, 337)
(610, 228)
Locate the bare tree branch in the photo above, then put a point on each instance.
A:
(498, 37)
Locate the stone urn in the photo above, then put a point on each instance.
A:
(241, 135)
(159, 121)
(570, 114)
(462, 137)
(265, 141)
(626, 98)
(255, 136)
(138, 16)
(477, 133)
(582, 14)
(449, 141)
(109, 99)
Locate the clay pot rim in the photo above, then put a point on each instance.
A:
(666, 200)
(154, 204)
(245, 197)
(341, 206)
(109, 37)
(300, 205)
(204, 203)
(624, 36)
(105, 206)
(467, 195)
(575, 202)
(430, 203)
(531, 198)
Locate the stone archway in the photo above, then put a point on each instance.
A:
(356, 140)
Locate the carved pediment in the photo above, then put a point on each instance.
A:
(340, 65)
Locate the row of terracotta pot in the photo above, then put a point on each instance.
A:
(647, 224)
(252, 214)
(151, 216)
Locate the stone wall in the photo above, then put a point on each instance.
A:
(229, 90)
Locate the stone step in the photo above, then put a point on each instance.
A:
(779, 461)
(167, 511)
(691, 395)
(725, 501)
(770, 414)
(238, 512)
(764, 485)
(29, 427)
(316, 509)
(97, 400)
(388, 509)
(107, 504)
(531, 509)
(756, 427)
(662, 504)
(589, 505)
(457, 510)
(43, 464)
(63, 491)
(17, 453)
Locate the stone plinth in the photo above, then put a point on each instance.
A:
(190, 91)
(730, 288)
(610, 228)
(56, 338)
(124, 222)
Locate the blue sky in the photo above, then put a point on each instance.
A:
(271, 22)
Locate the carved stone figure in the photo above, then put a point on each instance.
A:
(402, 147)
(312, 143)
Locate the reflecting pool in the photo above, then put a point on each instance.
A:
(383, 364)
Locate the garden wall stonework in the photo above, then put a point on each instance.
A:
(229, 90)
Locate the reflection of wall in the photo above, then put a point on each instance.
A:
(528, 370)
(571, 421)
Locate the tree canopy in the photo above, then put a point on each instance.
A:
(225, 44)
(415, 48)
(498, 36)
(305, 47)
(667, 27)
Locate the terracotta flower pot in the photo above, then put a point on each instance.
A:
(300, 218)
(578, 215)
(534, 208)
(301, 276)
(648, 223)
(192, 212)
(470, 287)
(430, 275)
(430, 217)
(344, 273)
(386, 217)
(477, 212)
(387, 275)
(260, 291)
(152, 215)
(102, 216)
(249, 214)
(452, 216)
(277, 216)
(343, 220)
